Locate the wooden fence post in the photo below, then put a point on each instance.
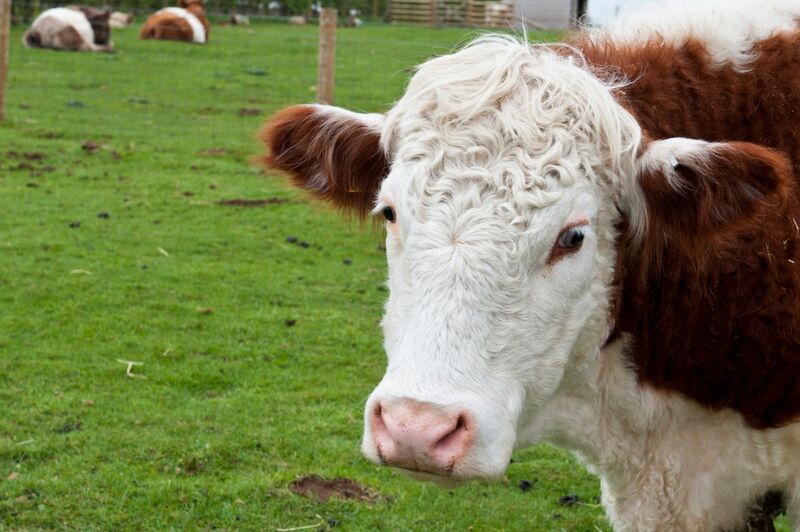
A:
(5, 30)
(327, 54)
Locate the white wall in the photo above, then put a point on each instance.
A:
(553, 14)
(601, 11)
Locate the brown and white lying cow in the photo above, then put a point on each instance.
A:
(119, 19)
(77, 28)
(594, 245)
(185, 23)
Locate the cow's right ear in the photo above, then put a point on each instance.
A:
(334, 154)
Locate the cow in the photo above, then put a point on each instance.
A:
(75, 28)
(120, 19)
(594, 244)
(185, 23)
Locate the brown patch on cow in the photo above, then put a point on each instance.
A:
(171, 27)
(241, 202)
(336, 159)
(711, 297)
(315, 487)
(68, 38)
(166, 27)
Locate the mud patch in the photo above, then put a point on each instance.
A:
(90, 146)
(248, 111)
(315, 487)
(242, 202)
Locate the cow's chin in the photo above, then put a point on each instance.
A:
(449, 481)
(452, 479)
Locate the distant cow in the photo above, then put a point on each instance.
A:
(120, 20)
(77, 28)
(185, 23)
(239, 20)
(595, 245)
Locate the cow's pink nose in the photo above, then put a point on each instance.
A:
(420, 436)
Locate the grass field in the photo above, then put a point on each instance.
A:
(114, 246)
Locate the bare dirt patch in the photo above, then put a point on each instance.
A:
(315, 487)
(90, 146)
(242, 202)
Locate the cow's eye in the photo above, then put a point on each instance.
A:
(571, 238)
(388, 213)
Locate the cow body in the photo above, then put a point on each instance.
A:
(185, 23)
(592, 245)
(75, 28)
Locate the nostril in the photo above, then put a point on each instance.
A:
(455, 441)
(378, 424)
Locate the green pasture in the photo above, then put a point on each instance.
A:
(256, 327)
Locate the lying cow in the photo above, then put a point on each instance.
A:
(185, 23)
(595, 245)
(77, 28)
(119, 19)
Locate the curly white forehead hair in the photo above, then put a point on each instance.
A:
(520, 116)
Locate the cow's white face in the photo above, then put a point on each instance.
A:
(500, 245)
(488, 302)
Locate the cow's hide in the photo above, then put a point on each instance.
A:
(185, 23)
(77, 28)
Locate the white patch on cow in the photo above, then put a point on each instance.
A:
(665, 463)
(69, 17)
(373, 121)
(728, 28)
(662, 156)
(198, 30)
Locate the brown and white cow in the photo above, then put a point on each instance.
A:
(76, 28)
(185, 23)
(595, 245)
(120, 19)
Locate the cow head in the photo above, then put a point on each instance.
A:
(194, 6)
(99, 20)
(503, 176)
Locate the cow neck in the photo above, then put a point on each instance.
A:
(721, 327)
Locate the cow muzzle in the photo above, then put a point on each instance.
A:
(419, 436)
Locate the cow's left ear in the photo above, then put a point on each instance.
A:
(697, 192)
